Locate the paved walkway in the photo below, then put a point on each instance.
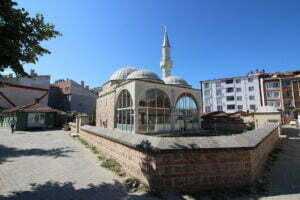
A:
(285, 174)
(50, 165)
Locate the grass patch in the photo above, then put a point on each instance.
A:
(112, 165)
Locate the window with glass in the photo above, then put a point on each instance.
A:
(250, 80)
(229, 81)
(237, 81)
(206, 85)
(219, 100)
(124, 111)
(230, 98)
(240, 107)
(238, 89)
(231, 107)
(251, 88)
(219, 92)
(288, 103)
(286, 83)
(186, 113)
(36, 120)
(230, 89)
(207, 109)
(239, 98)
(154, 112)
(274, 103)
(251, 97)
(207, 100)
(220, 108)
(253, 107)
(273, 84)
(207, 93)
(272, 94)
(287, 93)
(218, 84)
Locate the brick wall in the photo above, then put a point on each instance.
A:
(189, 170)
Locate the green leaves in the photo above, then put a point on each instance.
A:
(20, 37)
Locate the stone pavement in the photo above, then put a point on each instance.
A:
(285, 174)
(50, 165)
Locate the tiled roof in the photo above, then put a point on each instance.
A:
(35, 107)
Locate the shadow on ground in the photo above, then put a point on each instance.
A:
(11, 152)
(67, 191)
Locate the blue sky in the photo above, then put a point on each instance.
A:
(209, 38)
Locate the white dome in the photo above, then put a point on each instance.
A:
(174, 80)
(143, 74)
(122, 73)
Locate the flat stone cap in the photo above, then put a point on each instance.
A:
(246, 140)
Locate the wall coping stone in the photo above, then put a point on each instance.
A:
(154, 144)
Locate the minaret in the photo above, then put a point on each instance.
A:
(166, 63)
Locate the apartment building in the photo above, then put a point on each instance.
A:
(234, 94)
(68, 95)
(281, 90)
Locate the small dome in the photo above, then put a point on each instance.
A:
(122, 73)
(143, 74)
(174, 80)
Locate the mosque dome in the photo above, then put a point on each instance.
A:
(143, 74)
(174, 80)
(122, 73)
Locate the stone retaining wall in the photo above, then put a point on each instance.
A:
(180, 164)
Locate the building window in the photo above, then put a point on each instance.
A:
(250, 80)
(229, 81)
(231, 107)
(274, 103)
(253, 107)
(240, 107)
(36, 120)
(251, 97)
(237, 80)
(228, 90)
(288, 103)
(287, 93)
(274, 84)
(124, 112)
(218, 84)
(207, 93)
(239, 98)
(207, 109)
(272, 94)
(286, 83)
(207, 101)
(219, 92)
(251, 88)
(238, 89)
(155, 112)
(230, 98)
(186, 113)
(206, 85)
(220, 108)
(219, 100)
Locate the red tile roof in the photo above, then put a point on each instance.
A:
(35, 107)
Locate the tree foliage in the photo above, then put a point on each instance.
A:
(20, 37)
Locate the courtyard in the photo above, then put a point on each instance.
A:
(50, 165)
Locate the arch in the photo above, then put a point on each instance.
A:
(186, 113)
(154, 111)
(124, 111)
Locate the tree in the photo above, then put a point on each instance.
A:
(20, 37)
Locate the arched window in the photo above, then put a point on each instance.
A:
(186, 113)
(124, 111)
(154, 112)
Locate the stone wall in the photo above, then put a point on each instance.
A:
(188, 164)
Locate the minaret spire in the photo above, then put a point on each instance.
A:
(166, 63)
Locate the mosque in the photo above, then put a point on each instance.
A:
(139, 101)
